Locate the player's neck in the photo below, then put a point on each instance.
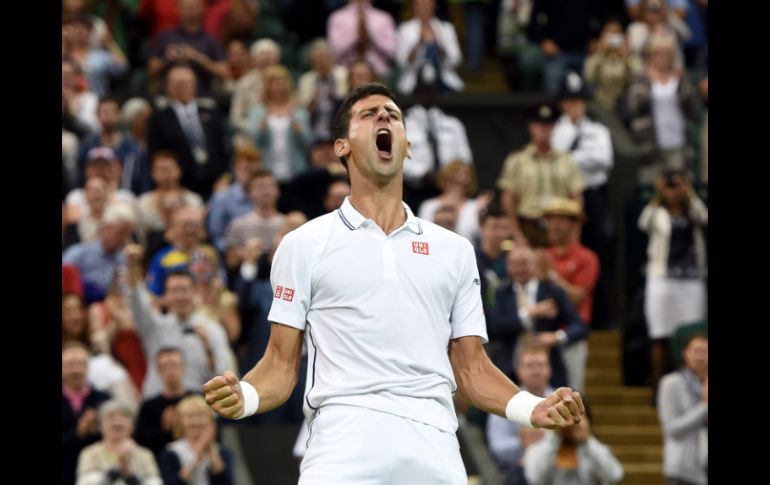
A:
(380, 204)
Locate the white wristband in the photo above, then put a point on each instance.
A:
(250, 400)
(520, 407)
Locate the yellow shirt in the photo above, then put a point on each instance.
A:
(535, 178)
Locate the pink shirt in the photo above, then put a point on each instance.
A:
(76, 399)
(342, 32)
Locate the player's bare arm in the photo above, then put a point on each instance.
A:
(274, 376)
(487, 388)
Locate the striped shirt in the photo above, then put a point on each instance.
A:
(252, 225)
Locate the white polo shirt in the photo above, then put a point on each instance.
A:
(378, 311)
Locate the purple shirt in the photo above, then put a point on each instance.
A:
(343, 35)
(200, 41)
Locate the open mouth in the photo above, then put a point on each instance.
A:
(384, 143)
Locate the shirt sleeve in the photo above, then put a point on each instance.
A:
(291, 281)
(506, 181)
(467, 317)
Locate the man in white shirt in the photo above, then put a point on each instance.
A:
(391, 310)
(590, 145)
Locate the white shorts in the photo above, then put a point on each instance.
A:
(354, 445)
(670, 303)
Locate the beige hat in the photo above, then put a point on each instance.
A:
(563, 207)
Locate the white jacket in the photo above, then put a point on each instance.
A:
(409, 37)
(656, 222)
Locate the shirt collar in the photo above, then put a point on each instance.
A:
(354, 219)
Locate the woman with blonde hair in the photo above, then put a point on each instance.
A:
(280, 127)
(195, 457)
(457, 181)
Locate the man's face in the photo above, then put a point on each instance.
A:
(96, 192)
(376, 144)
(187, 228)
(322, 155)
(559, 228)
(116, 235)
(165, 172)
(238, 55)
(181, 85)
(521, 265)
(116, 426)
(264, 191)
(72, 315)
(574, 108)
(109, 115)
(74, 367)
(180, 294)
(540, 132)
(534, 370)
(171, 368)
(446, 218)
(496, 230)
(266, 58)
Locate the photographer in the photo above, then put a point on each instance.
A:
(675, 292)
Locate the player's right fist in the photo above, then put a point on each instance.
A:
(223, 393)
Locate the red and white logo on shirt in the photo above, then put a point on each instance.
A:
(288, 294)
(420, 248)
(278, 292)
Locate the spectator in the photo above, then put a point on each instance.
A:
(195, 457)
(215, 302)
(157, 206)
(187, 43)
(136, 113)
(359, 31)
(96, 196)
(360, 73)
(69, 151)
(508, 440)
(194, 133)
(100, 63)
(612, 67)
(529, 309)
(491, 251)
(280, 129)
(70, 280)
(565, 31)
(531, 176)
(335, 194)
(185, 235)
(233, 201)
(102, 162)
(313, 186)
(571, 456)
(683, 407)
(457, 181)
(322, 88)
(633, 8)
(79, 402)
(437, 139)
(110, 136)
(520, 58)
(675, 292)
(262, 223)
(657, 20)
(589, 144)
(203, 342)
(428, 52)
(154, 426)
(97, 260)
(446, 217)
(117, 458)
(80, 102)
(239, 62)
(575, 269)
(248, 91)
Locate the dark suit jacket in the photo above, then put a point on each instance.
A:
(71, 443)
(166, 133)
(504, 326)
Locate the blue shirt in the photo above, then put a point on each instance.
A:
(97, 268)
(223, 208)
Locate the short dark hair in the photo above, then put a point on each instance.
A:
(109, 99)
(177, 273)
(341, 121)
(258, 174)
(168, 350)
(491, 211)
(164, 154)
